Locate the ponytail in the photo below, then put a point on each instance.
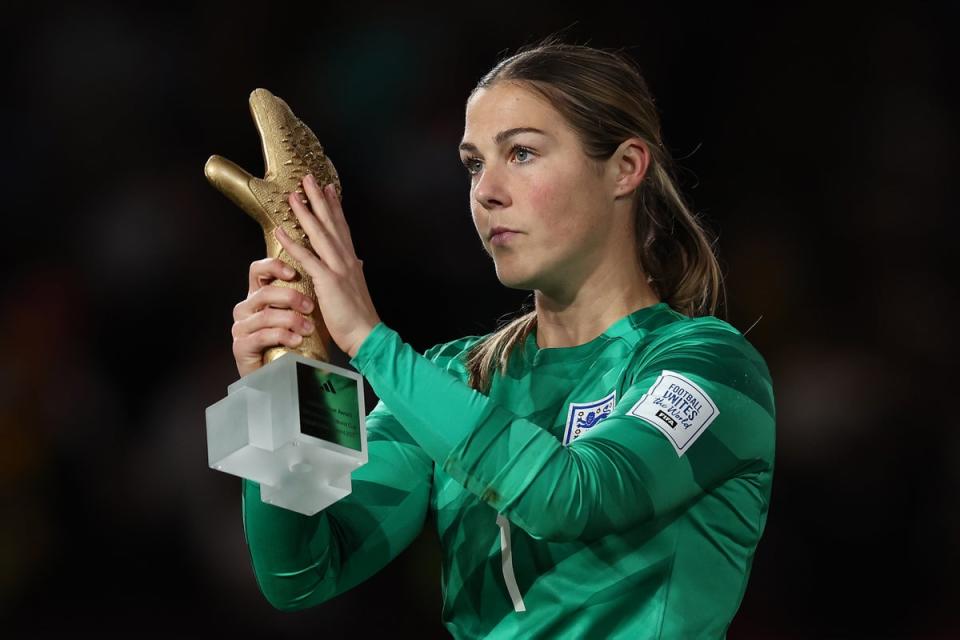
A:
(675, 251)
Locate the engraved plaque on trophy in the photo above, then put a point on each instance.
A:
(297, 424)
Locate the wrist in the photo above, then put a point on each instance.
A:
(361, 336)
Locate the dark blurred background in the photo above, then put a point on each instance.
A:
(817, 142)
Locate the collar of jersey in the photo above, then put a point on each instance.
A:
(623, 326)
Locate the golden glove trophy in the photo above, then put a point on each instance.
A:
(297, 424)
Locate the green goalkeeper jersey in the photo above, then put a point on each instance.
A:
(614, 489)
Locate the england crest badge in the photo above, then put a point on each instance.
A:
(583, 416)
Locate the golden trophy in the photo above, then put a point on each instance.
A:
(297, 424)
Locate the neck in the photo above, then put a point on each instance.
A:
(603, 298)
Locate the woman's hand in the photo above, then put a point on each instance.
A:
(270, 316)
(337, 273)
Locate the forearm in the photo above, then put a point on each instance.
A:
(292, 554)
(509, 462)
(305, 560)
(553, 492)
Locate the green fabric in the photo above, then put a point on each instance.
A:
(615, 535)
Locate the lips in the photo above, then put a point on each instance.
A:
(497, 230)
(500, 236)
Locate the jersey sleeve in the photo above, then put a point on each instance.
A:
(300, 561)
(623, 472)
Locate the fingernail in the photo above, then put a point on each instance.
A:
(310, 178)
(308, 326)
(297, 338)
(289, 272)
(307, 306)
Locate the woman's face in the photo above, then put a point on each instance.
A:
(528, 173)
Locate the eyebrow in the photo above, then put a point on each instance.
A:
(502, 136)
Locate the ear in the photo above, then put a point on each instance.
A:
(628, 165)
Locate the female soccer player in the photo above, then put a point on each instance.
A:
(600, 467)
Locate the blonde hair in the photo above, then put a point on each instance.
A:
(604, 98)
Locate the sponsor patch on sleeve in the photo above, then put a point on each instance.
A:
(678, 407)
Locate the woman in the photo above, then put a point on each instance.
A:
(600, 467)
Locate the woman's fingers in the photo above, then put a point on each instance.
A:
(269, 318)
(316, 261)
(339, 220)
(248, 350)
(326, 206)
(263, 272)
(325, 224)
(322, 210)
(263, 330)
(270, 296)
(327, 252)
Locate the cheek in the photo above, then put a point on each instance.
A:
(558, 206)
(545, 199)
(475, 213)
(541, 195)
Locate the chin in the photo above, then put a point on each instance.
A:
(512, 279)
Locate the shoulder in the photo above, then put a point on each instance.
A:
(705, 333)
(701, 329)
(711, 349)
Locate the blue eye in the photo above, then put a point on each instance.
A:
(474, 165)
(471, 165)
(522, 154)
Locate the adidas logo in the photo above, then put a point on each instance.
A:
(328, 386)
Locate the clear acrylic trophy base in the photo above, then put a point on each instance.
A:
(297, 427)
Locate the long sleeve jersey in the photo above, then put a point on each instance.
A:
(614, 489)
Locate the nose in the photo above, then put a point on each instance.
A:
(490, 189)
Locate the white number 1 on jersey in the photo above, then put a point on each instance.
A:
(508, 576)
